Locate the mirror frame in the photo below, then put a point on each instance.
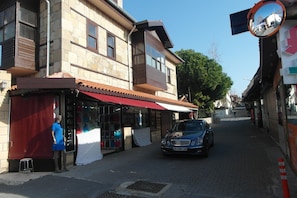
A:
(253, 11)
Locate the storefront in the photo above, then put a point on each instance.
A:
(112, 115)
(95, 120)
(32, 113)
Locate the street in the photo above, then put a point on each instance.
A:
(242, 163)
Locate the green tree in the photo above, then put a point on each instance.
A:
(202, 79)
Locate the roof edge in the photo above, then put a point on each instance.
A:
(159, 27)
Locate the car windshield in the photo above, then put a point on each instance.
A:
(188, 127)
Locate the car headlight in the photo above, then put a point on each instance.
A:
(168, 143)
(165, 142)
(197, 141)
(200, 140)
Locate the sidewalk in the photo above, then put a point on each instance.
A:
(18, 178)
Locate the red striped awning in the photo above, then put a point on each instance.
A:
(124, 101)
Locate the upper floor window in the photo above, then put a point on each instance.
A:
(27, 31)
(28, 23)
(138, 53)
(1, 18)
(9, 15)
(7, 23)
(92, 35)
(27, 16)
(155, 59)
(9, 31)
(110, 45)
(168, 74)
(1, 35)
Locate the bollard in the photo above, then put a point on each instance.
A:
(283, 175)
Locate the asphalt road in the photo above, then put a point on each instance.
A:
(242, 163)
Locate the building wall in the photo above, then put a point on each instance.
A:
(55, 38)
(69, 54)
(275, 113)
(272, 122)
(69, 51)
(4, 121)
(82, 63)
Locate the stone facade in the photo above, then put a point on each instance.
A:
(4, 121)
(69, 54)
(69, 51)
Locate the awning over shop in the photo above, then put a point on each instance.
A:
(124, 101)
(94, 87)
(175, 108)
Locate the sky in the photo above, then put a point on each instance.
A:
(203, 26)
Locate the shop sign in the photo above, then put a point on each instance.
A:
(287, 48)
(292, 41)
(292, 70)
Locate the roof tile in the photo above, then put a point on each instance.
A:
(116, 91)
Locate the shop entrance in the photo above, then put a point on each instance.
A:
(113, 120)
(92, 115)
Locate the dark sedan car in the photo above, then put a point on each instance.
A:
(193, 137)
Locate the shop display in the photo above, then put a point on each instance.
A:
(90, 115)
(110, 127)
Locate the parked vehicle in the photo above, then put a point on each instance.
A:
(193, 137)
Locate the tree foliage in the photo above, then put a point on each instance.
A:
(202, 79)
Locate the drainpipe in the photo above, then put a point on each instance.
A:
(48, 38)
(128, 49)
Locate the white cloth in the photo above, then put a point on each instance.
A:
(89, 148)
(142, 137)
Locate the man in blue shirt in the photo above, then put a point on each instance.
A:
(58, 146)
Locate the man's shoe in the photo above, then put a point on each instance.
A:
(57, 171)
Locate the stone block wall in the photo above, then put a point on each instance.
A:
(4, 121)
(83, 63)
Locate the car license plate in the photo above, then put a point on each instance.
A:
(180, 148)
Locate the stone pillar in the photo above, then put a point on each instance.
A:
(4, 120)
(127, 138)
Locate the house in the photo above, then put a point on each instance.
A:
(92, 63)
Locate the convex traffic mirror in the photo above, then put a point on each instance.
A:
(266, 18)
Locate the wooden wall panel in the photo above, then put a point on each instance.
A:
(25, 54)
